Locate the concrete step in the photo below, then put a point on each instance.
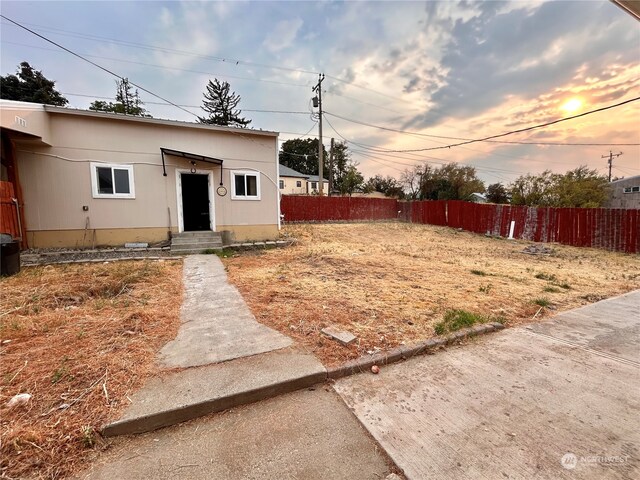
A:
(195, 240)
(197, 234)
(195, 392)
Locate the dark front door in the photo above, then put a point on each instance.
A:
(195, 202)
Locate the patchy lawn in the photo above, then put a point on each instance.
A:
(79, 339)
(390, 283)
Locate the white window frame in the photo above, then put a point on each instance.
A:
(232, 181)
(94, 180)
(281, 184)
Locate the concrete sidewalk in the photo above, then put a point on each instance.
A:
(230, 358)
(306, 435)
(556, 400)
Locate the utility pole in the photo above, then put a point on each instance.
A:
(610, 161)
(331, 169)
(318, 90)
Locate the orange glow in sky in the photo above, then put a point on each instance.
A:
(572, 106)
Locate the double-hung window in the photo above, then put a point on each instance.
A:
(245, 185)
(281, 182)
(112, 181)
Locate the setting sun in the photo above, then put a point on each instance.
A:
(572, 105)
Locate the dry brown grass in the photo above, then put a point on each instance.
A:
(391, 283)
(79, 339)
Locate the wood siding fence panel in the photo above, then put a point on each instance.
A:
(610, 229)
(8, 212)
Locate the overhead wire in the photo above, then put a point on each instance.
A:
(488, 138)
(96, 65)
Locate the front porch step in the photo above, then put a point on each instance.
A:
(195, 242)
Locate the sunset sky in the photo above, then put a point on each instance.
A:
(435, 69)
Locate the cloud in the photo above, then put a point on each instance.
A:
(283, 35)
(520, 52)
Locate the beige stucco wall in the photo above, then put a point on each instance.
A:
(290, 186)
(56, 179)
(27, 118)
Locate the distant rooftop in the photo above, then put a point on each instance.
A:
(290, 172)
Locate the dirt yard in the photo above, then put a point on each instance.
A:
(394, 283)
(79, 339)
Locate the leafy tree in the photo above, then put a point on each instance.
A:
(533, 189)
(127, 101)
(351, 181)
(387, 185)
(580, 187)
(302, 155)
(221, 105)
(449, 182)
(29, 85)
(345, 170)
(496, 193)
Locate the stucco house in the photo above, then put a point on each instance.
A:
(112, 178)
(313, 187)
(624, 193)
(292, 182)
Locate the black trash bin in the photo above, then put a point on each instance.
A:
(9, 255)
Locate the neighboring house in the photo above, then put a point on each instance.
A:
(478, 197)
(84, 177)
(624, 193)
(292, 182)
(312, 185)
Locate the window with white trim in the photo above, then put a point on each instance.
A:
(281, 182)
(112, 181)
(245, 185)
(631, 189)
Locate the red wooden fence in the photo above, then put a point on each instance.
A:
(8, 212)
(305, 208)
(610, 229)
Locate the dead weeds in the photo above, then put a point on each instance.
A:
(79, 339)
(391, 283)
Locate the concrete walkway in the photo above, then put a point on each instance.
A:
(237, 360)
(556, 400)
(217, 324)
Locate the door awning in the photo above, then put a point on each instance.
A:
(193, 157)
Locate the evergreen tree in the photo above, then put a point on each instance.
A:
(30, 85)
(221, 105)
(127, 101)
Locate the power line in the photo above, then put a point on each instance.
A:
(489, 138)
(230, 61)
(165, 67)
(96, 65)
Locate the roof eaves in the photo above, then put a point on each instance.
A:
(157, 121)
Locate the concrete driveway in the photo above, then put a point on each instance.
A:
(556, 400)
